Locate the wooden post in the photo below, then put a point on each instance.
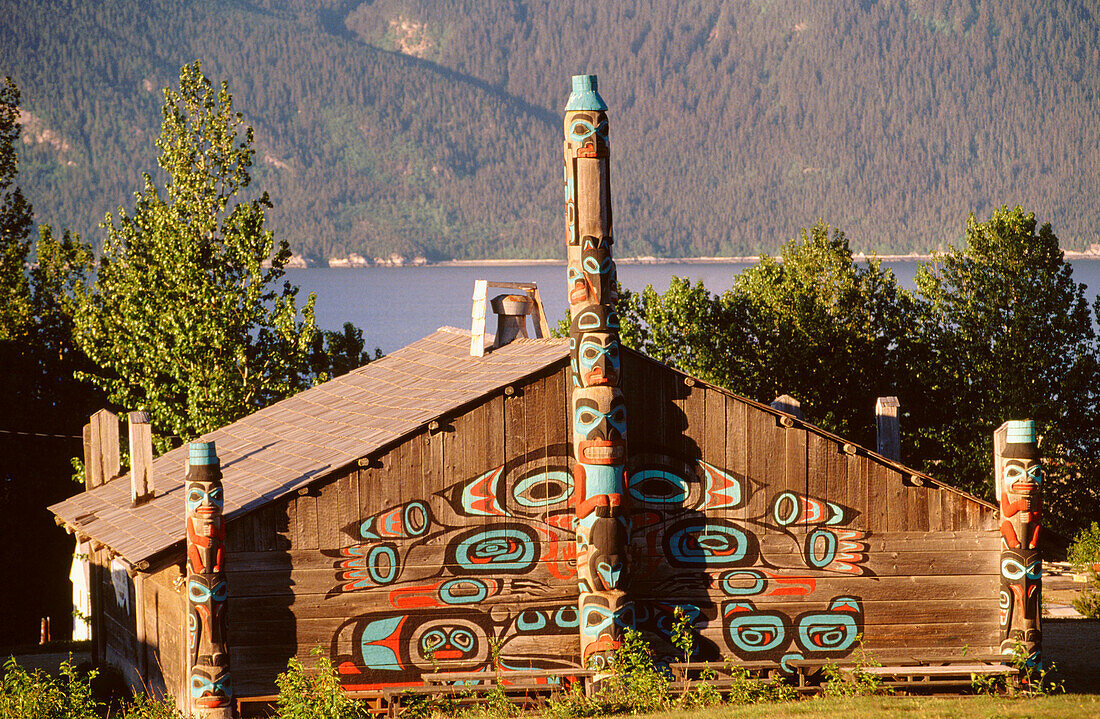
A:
(210, 690)
(101, 460)
(1019, 477)
(597, 406)
(887, 427)
(788, 404)
(141, 458)
(477, 319)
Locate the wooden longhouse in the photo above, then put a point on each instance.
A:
(406, 514)
(454, 500)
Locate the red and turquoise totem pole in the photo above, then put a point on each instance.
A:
(208, 659)
(1019, 481)
(598, 410)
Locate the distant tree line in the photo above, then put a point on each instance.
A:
(432, 127)
(996, 329)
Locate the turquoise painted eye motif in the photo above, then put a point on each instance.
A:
(581, 130)
(658, 486)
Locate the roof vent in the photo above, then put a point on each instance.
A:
(511, 311)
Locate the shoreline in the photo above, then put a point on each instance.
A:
(298, 262)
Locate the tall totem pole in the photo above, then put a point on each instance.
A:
(1019, 481)
(208, 656)
(598, 410)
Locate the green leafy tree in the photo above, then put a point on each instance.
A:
(334, 353)
(16, 216)
(814, 325)
(1006, 333)
(183, 319)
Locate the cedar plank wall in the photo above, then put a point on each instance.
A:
(419, 551)
(154, 662)
(915, 569)
(118, 642)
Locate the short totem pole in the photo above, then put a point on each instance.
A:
(208, 656)
(598, 410)
(1019, 481)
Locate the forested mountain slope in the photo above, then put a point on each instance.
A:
(432, 127)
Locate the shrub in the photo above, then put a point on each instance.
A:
(1084, 551)
(37, 695)
(315, 695)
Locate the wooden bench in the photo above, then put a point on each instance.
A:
(924, 677)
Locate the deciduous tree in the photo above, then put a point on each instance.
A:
(1006, 333)
(184, 318)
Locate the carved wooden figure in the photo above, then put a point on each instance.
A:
(598, 409)
(211, 692)
(1019, 484)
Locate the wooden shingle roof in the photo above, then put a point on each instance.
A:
(281, 448)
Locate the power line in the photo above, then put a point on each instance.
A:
(40, 434)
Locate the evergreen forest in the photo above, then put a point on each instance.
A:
(432, 127)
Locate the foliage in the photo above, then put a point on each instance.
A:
(636, 683)
(1006, 333)
(41, 401)
(36, 695)
(1087, 603)
(333, 353)
(15, 224)
(732, 122)
(745, 689)
(144, 707)
(316, 694)
(182, 319)
(1085, 549)
(813, 324)
(1084, 555)
(854, 680)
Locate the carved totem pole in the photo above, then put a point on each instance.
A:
(598, 410)
(208, 655)
(1019, 481)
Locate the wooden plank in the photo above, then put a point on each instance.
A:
(477, 319)
(873, 481)
(306, 510)
(736, 455)
(715, 427)
(936, 521)
(916, 508)
(796, 461)
(897, 510)
(979, 590)
(694, 406)
(766, 459)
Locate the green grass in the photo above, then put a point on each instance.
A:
(966, 707)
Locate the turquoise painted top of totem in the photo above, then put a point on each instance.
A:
(585, 95)
(202, 453)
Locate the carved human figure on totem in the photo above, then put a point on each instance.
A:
(205, 527)
(1019, 481)
(594, 347)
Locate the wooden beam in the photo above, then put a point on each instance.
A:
(477, 319)
(141, 458)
